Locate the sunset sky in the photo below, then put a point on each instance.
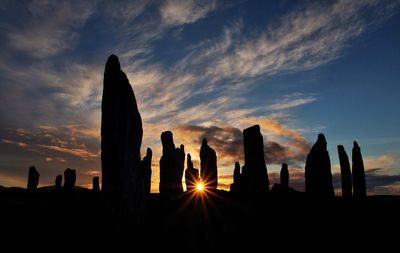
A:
(202, 69)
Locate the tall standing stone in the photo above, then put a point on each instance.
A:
(318, 174)
(345, 172)
(284, 176)
(359, 186)
(171, 166)
(96, 184)
(208, 166)
(69, 179)
(254, 172)
(121, 138)
(192, 177)
(147, 170)
(58, 182)
(33, 178)
(237, 176)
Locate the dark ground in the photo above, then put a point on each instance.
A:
(220, 222)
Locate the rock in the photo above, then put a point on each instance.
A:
(345, 172)
(254, 172)
(192, 177)
(359, 186)
(33, 178)
(171, 167)
(58, 182)
(208, 166)
(69, 179)
(121, 138)
(146, 163)
(96, 184)
(236, 185)
(284, 176)
(318, 176)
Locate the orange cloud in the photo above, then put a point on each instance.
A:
(18, 143)
(71, 151)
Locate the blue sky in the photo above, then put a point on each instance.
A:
(202, 69)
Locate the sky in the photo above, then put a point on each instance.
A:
(202, 69)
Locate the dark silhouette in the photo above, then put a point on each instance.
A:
(283, 188)
(69, 179)
(192, 177)
(146, 163)
(284, 176)
(318, 176)
(254, 172)
(359, 187)
(345, 172)
(236, 186)
(33, 178)
(96, 184)
(58, 182)
(208, 166)
(171, 166)
(121, 138)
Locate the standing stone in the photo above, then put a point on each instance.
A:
(147, 170)
(318, 174)
(171, 166)
(284, 176)
(58, 182)
(208, 165)
(121, 138)
(69, 179)
(192, 177)
(345, 172)
(236, 186)
(254, 172)
(33, 178)
(96, 184)
(359, 186)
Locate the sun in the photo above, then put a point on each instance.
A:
(200, 187)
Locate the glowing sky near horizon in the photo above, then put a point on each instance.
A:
(202, 69)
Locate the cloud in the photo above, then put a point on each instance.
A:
(50, 27)
(19, 144)
(292, 100)
(71, 151)
(177, 12)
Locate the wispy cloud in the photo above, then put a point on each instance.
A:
(51, 27)
(176, 12)
(291, 101)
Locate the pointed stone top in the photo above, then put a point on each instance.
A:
(321, 138)
(149, 152)
(182, 147)
(284, 165)
(237, 165)
(204, 142)
(113, 62)
(340, 147)
(355, 144)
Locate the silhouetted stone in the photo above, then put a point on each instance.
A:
(58, 183)
(254, 172)
(284, 176)
(192, 177)
(171, 166)
(208, 166)
(345, 172)
(146, 163)
(283, 188)
(96, 184)
(33, 178)
(121, 138)
(359, 186)
(236, 187)
(318, 176)
(69, 179)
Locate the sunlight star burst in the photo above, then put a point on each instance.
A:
(200, 187)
